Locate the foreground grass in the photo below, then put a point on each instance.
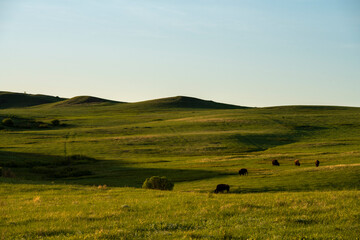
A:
(32, 211)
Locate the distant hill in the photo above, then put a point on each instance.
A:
(298, 108)
(81, 100)
(19, 100)
(184, 102)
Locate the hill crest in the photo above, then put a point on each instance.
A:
(20, 100)
(186, 102)
(80, 100)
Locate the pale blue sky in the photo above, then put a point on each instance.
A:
(251, 52)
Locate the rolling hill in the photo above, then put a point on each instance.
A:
(83, 100)
(184, 102)
(20, 100)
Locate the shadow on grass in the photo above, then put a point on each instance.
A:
(83, 170)
(28, 124)
(262, 142)
(77, 169)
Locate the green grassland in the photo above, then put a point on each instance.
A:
(79, 212)
(197, 145)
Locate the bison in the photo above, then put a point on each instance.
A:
(317, 163)
(275, 163)
(243, 171)
(222, 188)
(297, 163)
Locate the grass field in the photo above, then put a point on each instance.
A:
(55, 193)
(33, 211)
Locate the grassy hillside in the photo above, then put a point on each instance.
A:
(204, 144)
(79, 100)
(19, 100)
(121, 145)
(184, 102)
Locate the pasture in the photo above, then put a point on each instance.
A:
(58, 169)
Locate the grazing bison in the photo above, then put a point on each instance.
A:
(222, 188)
(275, 163)
(317, 163)
(243, 171)
(297, 162)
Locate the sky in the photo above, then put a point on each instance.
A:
(246, 52)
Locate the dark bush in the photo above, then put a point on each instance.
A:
(7, 173)
(42, 170)
(55, 122)
(80, 157)
(156, 182)
(34, 163)
(43, 125)
(8, 122)
(61, 172)
(74, 159)
(71, 172)
(12, 164)
(62, 162)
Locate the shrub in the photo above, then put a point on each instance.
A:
(43, 125)
(34, 163)
(74, 159)
(11, 164)
(71, 172)
(8, 122)
(7, 173)
(80, 157)
(156, 182)
(55, 122)
(42, 170)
